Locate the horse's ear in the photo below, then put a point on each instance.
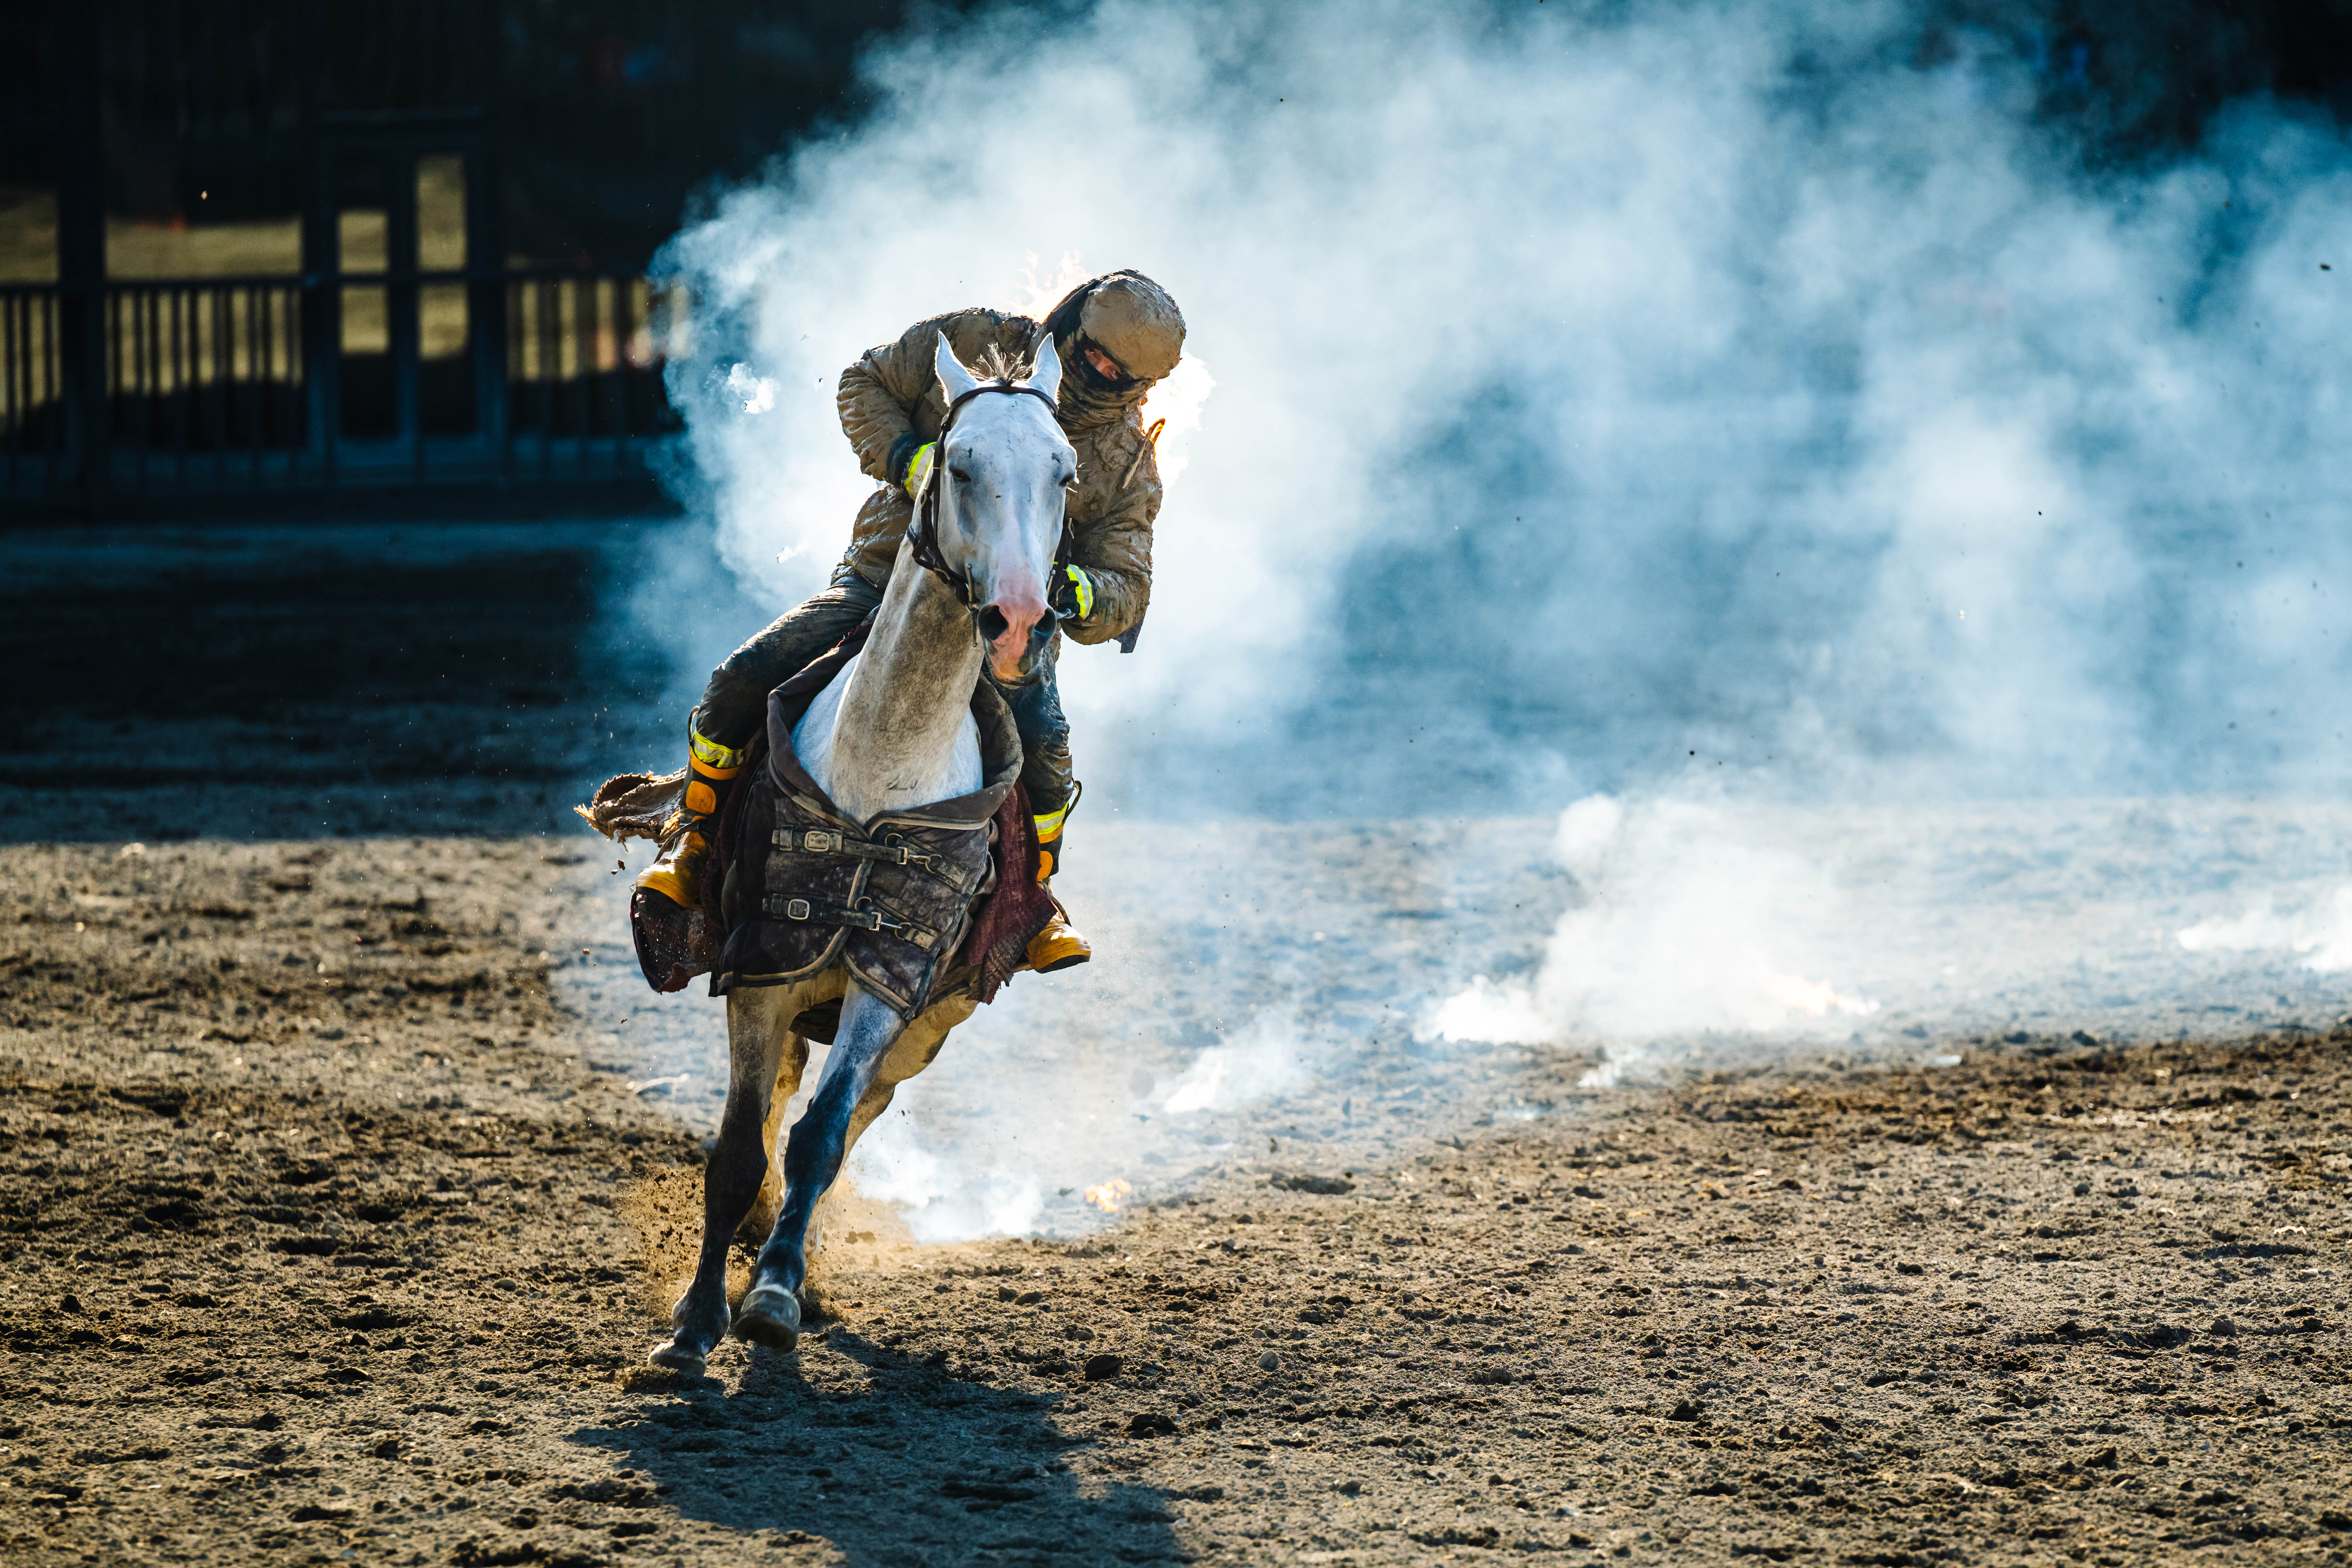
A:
(1047, 377)
(952, 375)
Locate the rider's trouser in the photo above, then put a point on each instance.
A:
(735, 701)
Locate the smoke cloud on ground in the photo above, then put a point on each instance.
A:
(1750, 423)
(1910, 931)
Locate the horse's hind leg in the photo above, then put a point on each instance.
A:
(755, 1030)
(770, 1312)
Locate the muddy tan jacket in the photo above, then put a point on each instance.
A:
(895, 388)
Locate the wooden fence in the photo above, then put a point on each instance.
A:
(161, 391)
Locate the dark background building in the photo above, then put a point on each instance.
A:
(256, 250)
(347, 263)
(250, 250)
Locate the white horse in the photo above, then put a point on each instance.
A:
(893, 731)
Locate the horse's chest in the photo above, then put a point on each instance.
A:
(883, 771)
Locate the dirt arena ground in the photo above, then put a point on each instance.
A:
(326, 1241)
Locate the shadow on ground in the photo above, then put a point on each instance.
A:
(891, 1460)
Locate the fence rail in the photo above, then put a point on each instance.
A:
(221, 387)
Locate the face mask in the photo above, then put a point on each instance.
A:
(1096, 380)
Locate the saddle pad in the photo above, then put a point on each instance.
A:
(891, 900)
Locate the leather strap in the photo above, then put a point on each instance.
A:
(817, 841)
(865, 917)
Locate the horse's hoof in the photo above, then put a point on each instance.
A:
(677, 1357)
(770, 1316)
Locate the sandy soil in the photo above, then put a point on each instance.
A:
(332, 1236)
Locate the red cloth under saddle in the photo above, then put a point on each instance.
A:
(1005, 921)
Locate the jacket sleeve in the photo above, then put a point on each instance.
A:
(1115, 548)
(893, 391)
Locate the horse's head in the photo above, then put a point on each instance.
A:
(1003, 465)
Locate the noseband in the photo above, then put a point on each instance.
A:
(923, 533)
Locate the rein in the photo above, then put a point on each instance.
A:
(923, 533)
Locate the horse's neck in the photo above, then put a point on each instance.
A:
(903, 734)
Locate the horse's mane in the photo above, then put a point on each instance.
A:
(994, 364)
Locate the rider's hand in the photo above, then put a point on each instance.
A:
(1074, 594)
(919, 468)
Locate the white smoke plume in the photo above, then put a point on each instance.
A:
(1751, 420)
(2319, 934)
(1692, 921)
(1602, 386)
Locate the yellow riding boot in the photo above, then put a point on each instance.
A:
(1059, 945)
(676, 873)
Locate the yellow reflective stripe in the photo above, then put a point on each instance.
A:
(1049, 826)
(720, 761)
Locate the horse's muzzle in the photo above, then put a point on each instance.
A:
(1012, 656)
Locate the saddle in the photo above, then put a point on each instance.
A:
(918, 905)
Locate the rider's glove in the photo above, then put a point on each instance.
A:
(919, 468)
(1074, 592)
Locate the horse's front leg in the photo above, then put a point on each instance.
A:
(771, 1311)
(911, 1054)
(756, 1024)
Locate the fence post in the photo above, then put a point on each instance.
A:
(485, 252)
(402, 300)
(81, 251)
(321, 296)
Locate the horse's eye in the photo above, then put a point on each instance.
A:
(960, 476)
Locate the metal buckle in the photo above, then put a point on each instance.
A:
(791, 908)
(903, 854)
(817, 841)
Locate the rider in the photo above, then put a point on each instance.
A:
(1116, 335)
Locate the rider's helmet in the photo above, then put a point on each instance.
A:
(1132, 321)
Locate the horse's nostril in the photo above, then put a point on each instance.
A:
(992, 624)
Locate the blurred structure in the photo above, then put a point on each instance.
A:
(278, 248)
(256, 249)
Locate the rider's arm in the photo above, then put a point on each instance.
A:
(889, 397)
(1114, 543)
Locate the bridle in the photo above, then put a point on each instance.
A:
(923, 533)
